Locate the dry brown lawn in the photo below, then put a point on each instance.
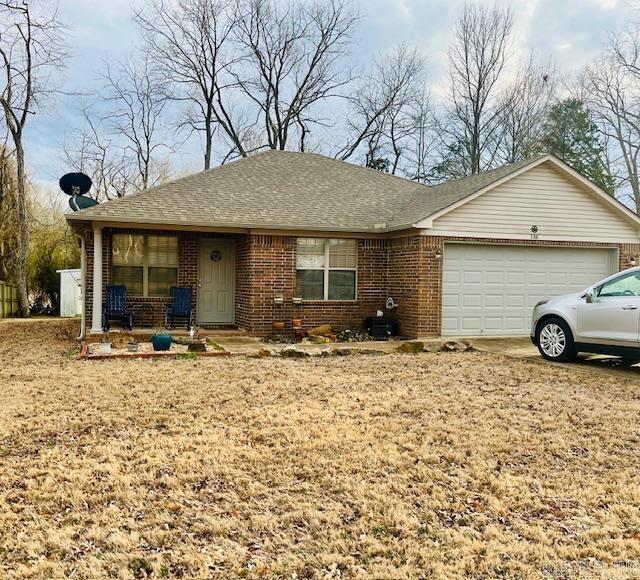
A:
(432, 465)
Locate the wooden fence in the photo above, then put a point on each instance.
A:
(8, 300)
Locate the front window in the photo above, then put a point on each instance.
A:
(326, 269)
(146, 265)
(627, 285)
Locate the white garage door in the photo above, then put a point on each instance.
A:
(491, 289)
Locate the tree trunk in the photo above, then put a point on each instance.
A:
(22, 234)
(208, 145)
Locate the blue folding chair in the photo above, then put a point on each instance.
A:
(180, 306)
(116, 307)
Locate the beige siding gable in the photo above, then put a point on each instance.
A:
(544, 196)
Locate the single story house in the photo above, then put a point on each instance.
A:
(282, 235)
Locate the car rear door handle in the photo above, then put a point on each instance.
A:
(629, 308)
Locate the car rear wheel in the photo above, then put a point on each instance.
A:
(555, 341)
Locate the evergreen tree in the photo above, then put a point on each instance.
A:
(571, 135)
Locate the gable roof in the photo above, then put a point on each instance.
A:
(273, 189)
(474, 186)
(440, 197)
(307, 191)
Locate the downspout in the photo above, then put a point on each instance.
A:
(83, 283)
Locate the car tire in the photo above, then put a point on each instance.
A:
(555, 340)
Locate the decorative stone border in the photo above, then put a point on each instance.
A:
(84, 354)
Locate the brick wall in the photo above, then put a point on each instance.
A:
(409, 269)
(269, 271)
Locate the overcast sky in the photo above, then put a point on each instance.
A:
(569, 31)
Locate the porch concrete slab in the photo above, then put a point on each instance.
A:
(237, 344)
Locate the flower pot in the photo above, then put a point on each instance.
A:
(133, 347)
(278, 326)
(161, 341)
(104, 348)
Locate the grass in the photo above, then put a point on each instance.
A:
(436, 465)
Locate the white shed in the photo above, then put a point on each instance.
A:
(70, 292)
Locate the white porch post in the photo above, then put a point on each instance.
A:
(96, 308)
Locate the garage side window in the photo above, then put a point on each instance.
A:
(146, 265)
(627, 285)
(326, 269)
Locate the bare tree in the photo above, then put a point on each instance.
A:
(8, 188)
(30, 48)
(189, 42)
(477, 59)
(381, 106)
(290, 62)
(422, 141)
(525, 104)
(611, 89)
(93, 151)
(137, 98)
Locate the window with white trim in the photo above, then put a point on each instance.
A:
(326, 269)
(146, 264)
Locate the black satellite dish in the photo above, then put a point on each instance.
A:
(77, 202)
(75, 183)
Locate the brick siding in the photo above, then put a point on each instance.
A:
(409, 269)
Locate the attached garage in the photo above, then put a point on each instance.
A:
(491, 289)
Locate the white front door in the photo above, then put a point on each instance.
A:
(216, 281)
(614, 315)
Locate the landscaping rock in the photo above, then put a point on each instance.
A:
(343, 351)
(294, 353)
(196, 347)
(319, 339)
(456, 346)
(322, 330)
(411, 347)
(264, 353)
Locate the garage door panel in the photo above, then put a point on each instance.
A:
(492, 289)
(452, 276)
(516, 300)
(494, 277)
(494, 300)
(472, 300)
(451, 301)
(450, 326)
(515, 323)
(472, 277)
(493, 323)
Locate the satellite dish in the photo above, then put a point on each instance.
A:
(77, 202)
(75, 183)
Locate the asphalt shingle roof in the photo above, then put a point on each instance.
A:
(289, 190)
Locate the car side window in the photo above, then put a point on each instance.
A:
(627, 285)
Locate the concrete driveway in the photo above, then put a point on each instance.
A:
(521, 347)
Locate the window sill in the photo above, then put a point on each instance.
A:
(326, 302)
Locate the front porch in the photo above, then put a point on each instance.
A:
(149, 262)
(242, 280)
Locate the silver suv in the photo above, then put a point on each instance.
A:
(604, 319)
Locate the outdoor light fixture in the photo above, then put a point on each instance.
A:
(438, 254)
(633, 262)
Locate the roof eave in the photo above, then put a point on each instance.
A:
(106, 221)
